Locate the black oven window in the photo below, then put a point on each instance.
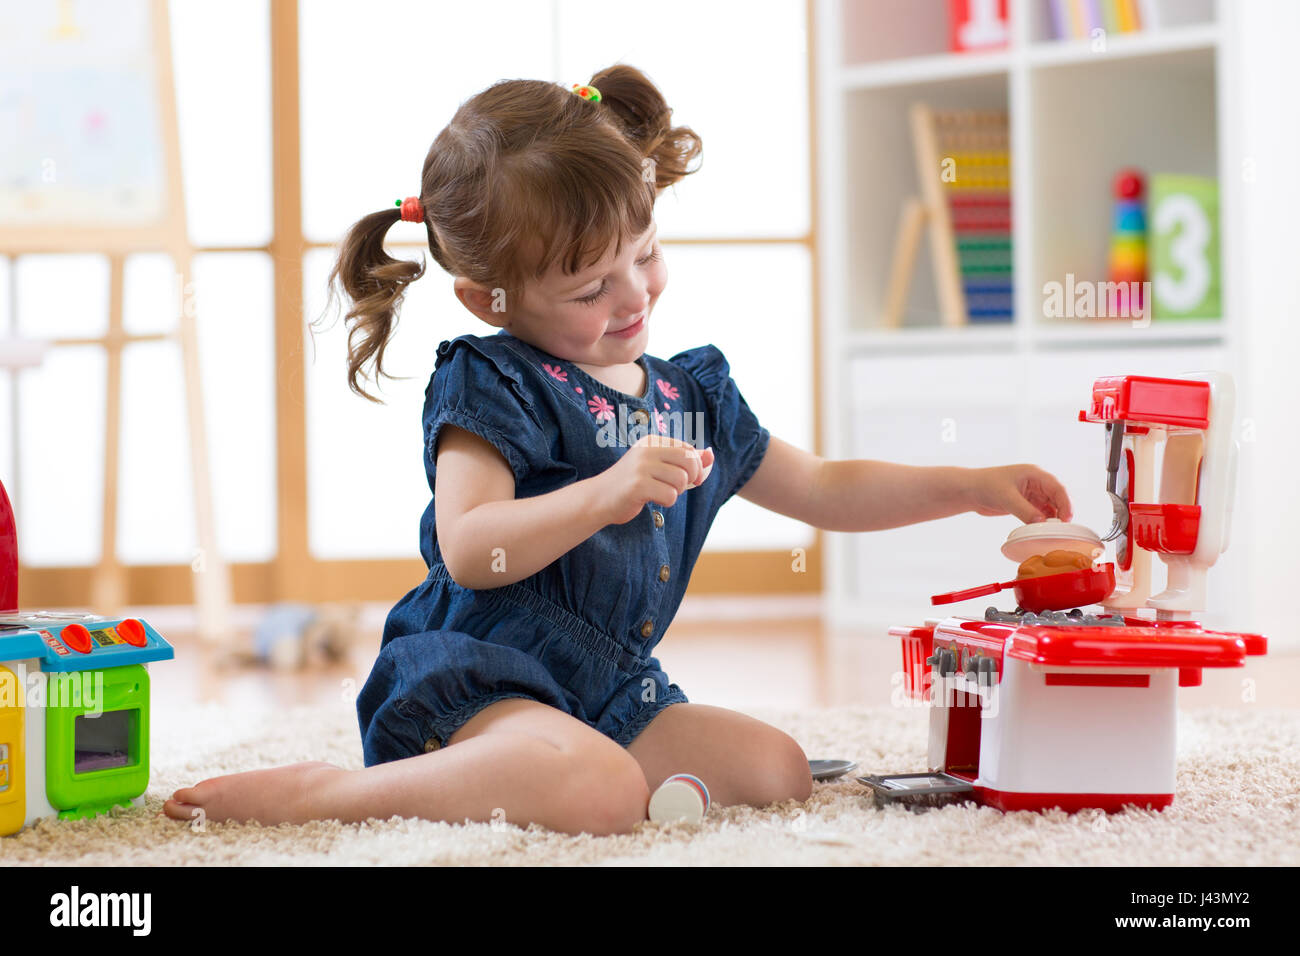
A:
(104, 742)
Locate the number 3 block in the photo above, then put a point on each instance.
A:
(1184, 247)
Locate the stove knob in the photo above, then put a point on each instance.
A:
(77, 638)
(946, 662)
(133, 632)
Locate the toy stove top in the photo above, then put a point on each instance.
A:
(1076, 617)
(1079, 638)
(63, 641)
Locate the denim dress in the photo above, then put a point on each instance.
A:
(578, 634)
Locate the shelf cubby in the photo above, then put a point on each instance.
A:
(883, 176)
(1087, 121)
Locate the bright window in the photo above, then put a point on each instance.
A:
(364, 147)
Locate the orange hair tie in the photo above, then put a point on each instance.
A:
(412, 209)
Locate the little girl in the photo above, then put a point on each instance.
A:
(575, 477)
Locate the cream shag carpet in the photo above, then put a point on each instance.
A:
(1237, 804)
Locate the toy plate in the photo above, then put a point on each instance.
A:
(830, 769)
(1053, 534)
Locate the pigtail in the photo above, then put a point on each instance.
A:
(644, 116)
(376, 284)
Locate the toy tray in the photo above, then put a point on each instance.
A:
(917, 790)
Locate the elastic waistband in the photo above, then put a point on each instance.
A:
(588, 636)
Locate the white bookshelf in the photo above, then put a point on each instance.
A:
(990, 394)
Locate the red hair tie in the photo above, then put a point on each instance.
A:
(412, 209)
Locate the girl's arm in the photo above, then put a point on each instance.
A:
(864, 495)
(488, 538)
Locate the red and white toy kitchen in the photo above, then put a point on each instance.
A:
(1059, 704)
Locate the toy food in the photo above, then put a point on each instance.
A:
(1053, 562)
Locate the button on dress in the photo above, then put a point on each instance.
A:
(580, 633)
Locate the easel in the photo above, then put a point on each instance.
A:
(41, 220)
(961, 164)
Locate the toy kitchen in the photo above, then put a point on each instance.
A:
(74, 704)
(1069, 699)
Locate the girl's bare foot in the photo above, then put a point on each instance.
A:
(279, 795)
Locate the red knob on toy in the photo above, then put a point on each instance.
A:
(77, 638)
(132, 631)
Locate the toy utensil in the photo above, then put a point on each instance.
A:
(1114, 451)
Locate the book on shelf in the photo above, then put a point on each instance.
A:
(1081, 19)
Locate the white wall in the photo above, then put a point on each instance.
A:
(1266, 267)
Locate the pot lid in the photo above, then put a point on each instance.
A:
(1052, 534)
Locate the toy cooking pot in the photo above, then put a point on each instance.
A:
(1049, 592)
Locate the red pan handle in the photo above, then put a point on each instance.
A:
(980, 591)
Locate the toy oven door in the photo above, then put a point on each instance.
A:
(97, 738)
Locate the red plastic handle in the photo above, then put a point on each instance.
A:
(8, 555)
(969, 593)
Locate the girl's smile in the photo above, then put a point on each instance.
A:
(630, 331)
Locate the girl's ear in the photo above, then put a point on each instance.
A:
(488, 304)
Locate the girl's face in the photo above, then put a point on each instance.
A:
(600, 315)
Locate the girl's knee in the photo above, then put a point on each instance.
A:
(786, 774)
(610, 788)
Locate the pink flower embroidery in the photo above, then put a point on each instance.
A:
(578, 389)
(665, 406)
(557, 373)
(600, 408)
(669, 390)
(659, 420)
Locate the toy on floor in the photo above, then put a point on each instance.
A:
(680, 797)
(830, 769)
(74, 704)
(301, 636)
(1042, 707)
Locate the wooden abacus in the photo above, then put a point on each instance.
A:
(964, 166)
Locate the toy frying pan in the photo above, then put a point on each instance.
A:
(1050, 592)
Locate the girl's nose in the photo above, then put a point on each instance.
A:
(636, 301)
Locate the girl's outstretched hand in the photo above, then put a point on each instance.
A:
(1025, 491)
(657, 468)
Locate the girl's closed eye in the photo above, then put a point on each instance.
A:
(604, 286)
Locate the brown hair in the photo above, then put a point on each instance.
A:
(523, 165)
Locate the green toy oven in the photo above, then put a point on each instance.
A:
(97, 749)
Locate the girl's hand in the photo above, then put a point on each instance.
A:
(1025, 491)
(657, 468)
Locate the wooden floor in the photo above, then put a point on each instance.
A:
(737, 653)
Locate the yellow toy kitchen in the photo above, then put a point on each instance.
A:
(74, 704)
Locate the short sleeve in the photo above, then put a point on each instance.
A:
(476, 389)
(739, 440)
